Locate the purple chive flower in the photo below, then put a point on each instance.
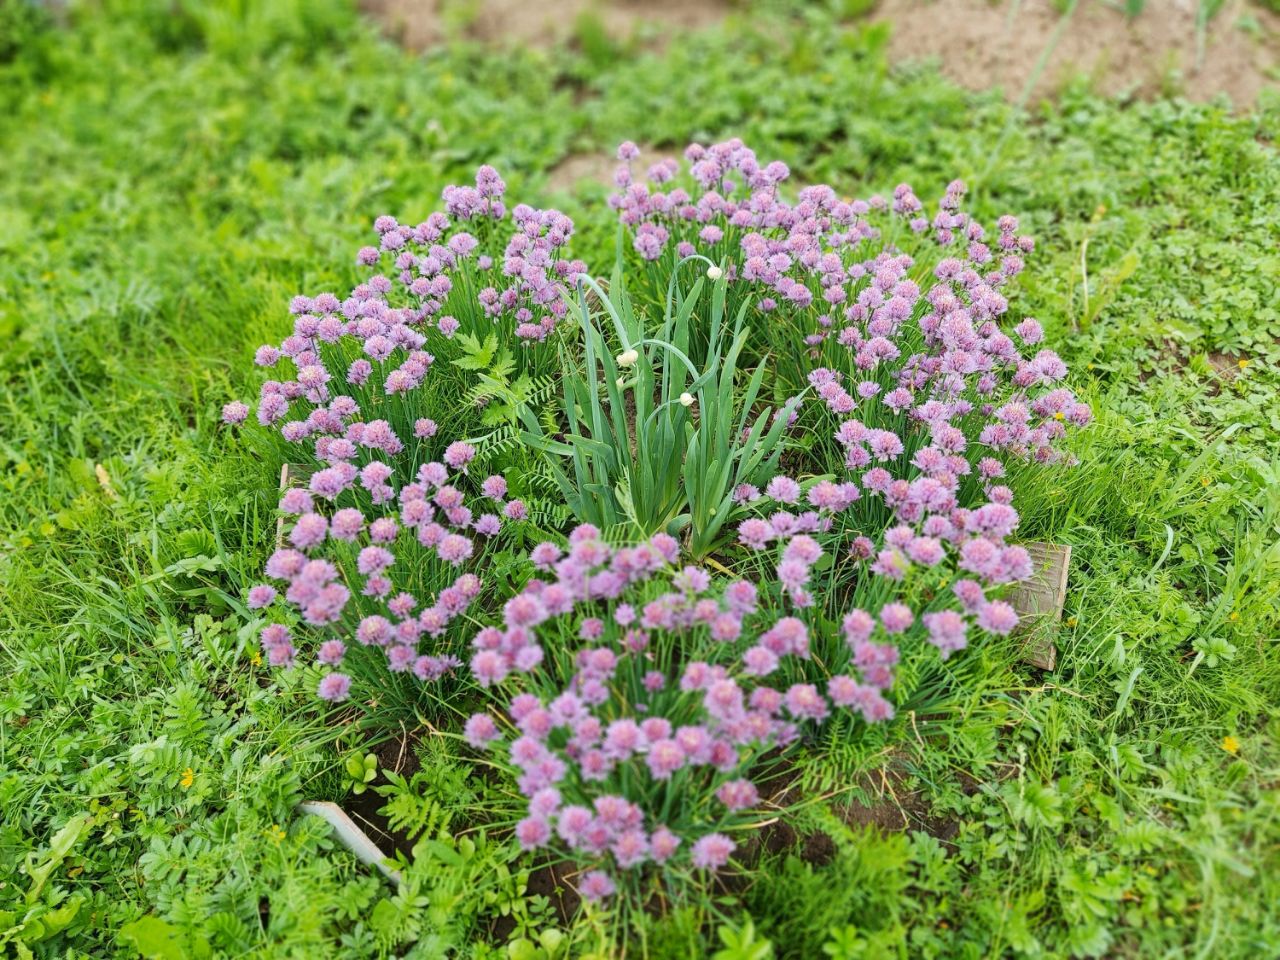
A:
(783, 489)
(663, 845)
(896, 617)
(532, 832)
(755, 533)
(459, 454)
(631, 848)
(997, 617)
(234, 413)
(595, 885)
(946, 631)
(262, 595)
(665, 758)
(331, 652)
(334, 687)
(712, 851)
(738, 794)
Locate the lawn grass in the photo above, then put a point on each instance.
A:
(170, 180)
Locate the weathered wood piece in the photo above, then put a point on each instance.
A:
(352, 837)
(1039, 601)
(291, 475)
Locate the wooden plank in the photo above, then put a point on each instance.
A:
(291, 475)
(352, 837)
(1039, 601)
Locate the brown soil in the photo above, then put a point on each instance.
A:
(398, 755)
(892, 808)
(978, 43)
(983, 44)
(596, 168)
(422, 23)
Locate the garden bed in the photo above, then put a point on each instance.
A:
(683, 453)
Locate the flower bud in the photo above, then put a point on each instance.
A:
(628, 358)
(714, 272)
(686, 399)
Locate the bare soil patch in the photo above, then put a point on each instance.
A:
(422, 23)
(978, 43)
(582, 168)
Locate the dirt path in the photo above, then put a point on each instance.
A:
(981, 44)
(978, 43)
(421, 23)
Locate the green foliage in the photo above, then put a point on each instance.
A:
(642, 457)
(174, 172)
(361, 771)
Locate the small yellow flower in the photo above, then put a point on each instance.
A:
(256, 659)
(188, 778)
(1242, 362)
(1072, 621)
(1059, 416)
(275, 832)
(1231, 745)
(1205, 481)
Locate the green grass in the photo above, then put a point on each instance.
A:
(172, 178)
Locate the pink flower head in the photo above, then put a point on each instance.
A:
(334, 687)
(234, 413)
(783, 489)
(665, 758)
(755, 533)
(738, 794)
(480, 730)
(663, 845)
(331, 652)
(896, 617)
(946, 631)
(595, 885)
(458, 454)
(532, 832)
(997, 617)
(260, 596)
(712, 851)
